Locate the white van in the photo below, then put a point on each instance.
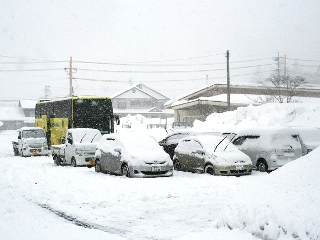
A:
(269, 148)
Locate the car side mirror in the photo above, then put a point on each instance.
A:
(118, 150)
(200, 152)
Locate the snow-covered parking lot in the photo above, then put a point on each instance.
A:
(40, 200)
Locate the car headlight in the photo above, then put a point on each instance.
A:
(79, 151)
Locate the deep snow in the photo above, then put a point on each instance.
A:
(40, 200)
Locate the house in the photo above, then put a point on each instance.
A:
(140, 99)
(205, 101)
(15, 114)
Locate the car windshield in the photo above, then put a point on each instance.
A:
(86, 136)
(34, 133)
(136, 141)
(218, 144)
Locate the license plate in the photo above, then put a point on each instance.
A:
(239, 167)
(91, 163)
(288, 153)
(155, 169)
(35, 153)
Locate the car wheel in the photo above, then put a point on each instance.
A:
(56, 159)
(73, 162)
(176, 165)
(125, 170)
(97, 166)
(16, 152)
(262, 166)
(209, 169)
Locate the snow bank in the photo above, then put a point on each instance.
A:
(284, 206)
(272, 114)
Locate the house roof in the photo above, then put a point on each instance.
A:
(28, 104)
(142, 88)
(235, 100)
(143, 111)
(308, 90)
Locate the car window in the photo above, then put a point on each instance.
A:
(194, 145)
(176, 137)
(240, 140)
(282, 140)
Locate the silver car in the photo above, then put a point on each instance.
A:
(132, 155)
(269, 148)
(211, 154)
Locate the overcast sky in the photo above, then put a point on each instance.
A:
(174, 47)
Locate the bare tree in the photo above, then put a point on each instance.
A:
(283, 87)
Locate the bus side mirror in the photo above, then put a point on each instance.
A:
(117, 119)
(70, 141)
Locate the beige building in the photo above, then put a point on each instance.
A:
(202, 103)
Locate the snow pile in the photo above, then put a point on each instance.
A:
(272, 114)
(287, 205)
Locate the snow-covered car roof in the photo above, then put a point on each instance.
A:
(29, 128)
(267, 131)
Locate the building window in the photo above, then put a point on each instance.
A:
(122, 105)
(133, 90)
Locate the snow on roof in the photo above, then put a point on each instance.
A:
(143, 89)
(269, 114)
(11, 113)
(242, 99)
(142, 111)
(28, 103)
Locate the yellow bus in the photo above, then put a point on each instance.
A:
(56, 116)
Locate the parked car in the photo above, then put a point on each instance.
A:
(211, 154)
(170, 142)
(132, 155)
(31, 141)
(310, 138)
(269, 148)
(77, 148)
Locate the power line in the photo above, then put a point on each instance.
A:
(30, 70)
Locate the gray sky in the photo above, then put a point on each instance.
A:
(173, 47)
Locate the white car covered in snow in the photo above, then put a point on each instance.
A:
(269, 148)
(78, 148)
(211, 154)
(132, 155)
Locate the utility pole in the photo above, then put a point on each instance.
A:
(47, 92)
(285, 65)
(70, 74)
(228, 81)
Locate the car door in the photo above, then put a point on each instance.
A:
(69, 148)
(249, 145)
(106, 154)
(114, 156)
(171, 143)
(197, 155)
